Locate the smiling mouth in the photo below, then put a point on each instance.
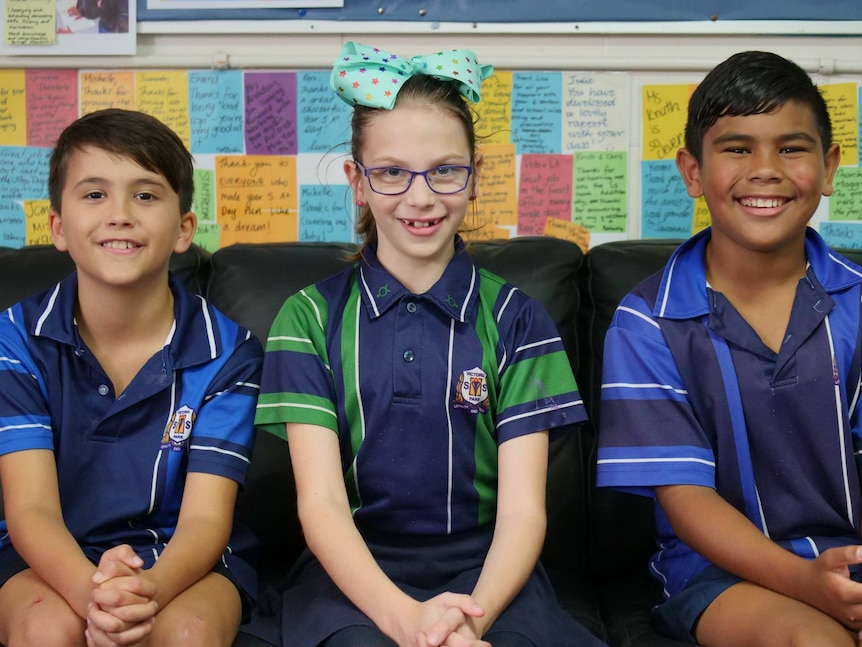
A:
(421, 224)
(762, 202)
(119, 244)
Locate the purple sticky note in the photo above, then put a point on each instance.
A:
(270, 113)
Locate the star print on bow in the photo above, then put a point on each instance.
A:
(371, 77)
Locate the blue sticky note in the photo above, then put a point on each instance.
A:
(322, 119)
(842, 234)
(13, 224)
(216, 111)
(324, 213)
(666, 209)
(24, 173)
(537, 116)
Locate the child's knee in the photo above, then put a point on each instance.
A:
(54, 629)
(194, 630)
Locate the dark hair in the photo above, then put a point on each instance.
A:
(126, 133)
(752, 83)
(418, 89)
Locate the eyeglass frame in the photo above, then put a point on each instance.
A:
(413, 174)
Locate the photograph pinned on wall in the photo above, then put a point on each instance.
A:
(80, 27)
(244, 4)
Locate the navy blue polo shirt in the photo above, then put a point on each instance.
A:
(691, 395)
(421, 388)
(122, 458)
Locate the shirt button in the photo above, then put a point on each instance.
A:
(103, 389)
(411, 307)
(408, 356)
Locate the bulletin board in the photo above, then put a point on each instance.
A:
(269, 149)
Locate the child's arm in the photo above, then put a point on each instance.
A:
(332, 536)
(725, 537)
(31, 499)
(519, 531)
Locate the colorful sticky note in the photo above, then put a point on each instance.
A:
(842, 234)
(570, 231)
(165, 95)
(24, 172)
(208, 235)
(13, 225)
(664, 113)
(842, 100)
(322, 119)
(215, 109)
(600, 194)
(270, 113)
(497, 192)
(13, 105)
(702, 216)
(846, 201)
(536, 117)
(203, 203)
(30, 22)
(595, 112)
(256, 198)
(38, 229)
(666, 209)
(101, 90)
(324, 213)
(545, 192)
(494, 111)
(52, 104)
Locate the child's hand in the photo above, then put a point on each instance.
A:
(446, 622)
(827, 585)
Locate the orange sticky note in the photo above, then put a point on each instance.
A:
(570, 231)
(495, 110)
(497, 191)
(100, 90)
(38, 231)
(165, 95)
(664, 112)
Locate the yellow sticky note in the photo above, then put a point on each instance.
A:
(664, 112)
(571, 231)
(497, 191)
(841, 98)
(165, 95)
(495, 109)
(109, 89)
(13, 108)
(38, 231)
(702, 217)
(30, 22)
(257, 198)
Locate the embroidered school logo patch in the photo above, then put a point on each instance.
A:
(179, 429)
(471, 393)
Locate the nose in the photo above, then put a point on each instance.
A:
(120, 212)
(765, 165)
(419, 193)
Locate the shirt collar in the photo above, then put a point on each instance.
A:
(682, 293)
(454, 293)
(195, 339)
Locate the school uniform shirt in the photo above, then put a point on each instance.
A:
(691, 395)
(420, 388)
(122, 458)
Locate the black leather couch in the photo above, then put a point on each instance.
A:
(598, 541)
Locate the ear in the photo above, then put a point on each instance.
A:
(354, 178)
(477, 167)
(832, 160)
(55, 224)
(689, 169)
(188, 227)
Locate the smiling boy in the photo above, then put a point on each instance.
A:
(126, 407)
(731, 379)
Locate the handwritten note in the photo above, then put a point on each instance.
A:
(12, 224)
(270, 113)
(595, 112)
(536, 117)
(496, 202)
(13, 105)
(846, 202)
(257, 198)
(165, 95)
(600, 195)
(323, 120)
(495, 110)
(666, 209)
(23, 173)
(203, 203)
(841, 98)
(30, 22)
(546, 191)
(702, 217)
(101, 90)
(842, 234)
(664, 112)
(52, 104)
(325, 214)
(570, 231)
(215, 109)
(208, 235)
(37, 229)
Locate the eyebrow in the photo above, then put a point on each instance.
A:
(144, 181)
(787, 137)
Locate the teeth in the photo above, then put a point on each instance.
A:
(118, 244)
(421, 224)
(762, 202)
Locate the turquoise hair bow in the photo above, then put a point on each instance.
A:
(371, 77)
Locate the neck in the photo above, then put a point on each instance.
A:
(737, 270)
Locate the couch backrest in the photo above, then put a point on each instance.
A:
(249, 283)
